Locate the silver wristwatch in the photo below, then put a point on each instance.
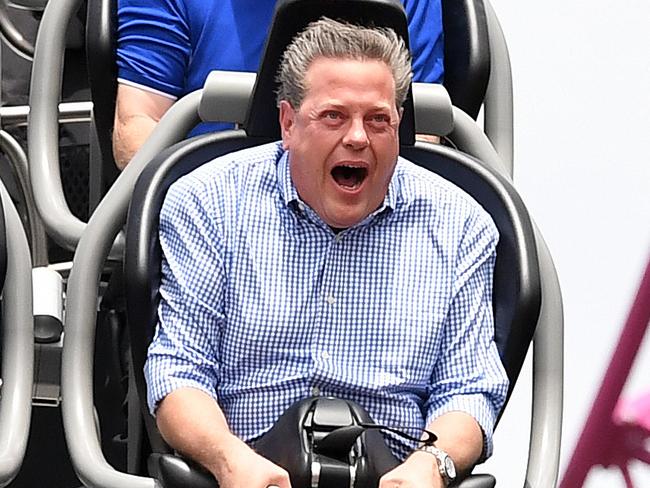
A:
(446, 465)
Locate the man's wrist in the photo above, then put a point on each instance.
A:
(425, 462)
(443, 464)
(229, 449)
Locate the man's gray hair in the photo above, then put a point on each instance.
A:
(333, 39)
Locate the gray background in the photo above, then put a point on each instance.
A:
(581, 74)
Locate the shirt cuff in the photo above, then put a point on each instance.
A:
(475, 405)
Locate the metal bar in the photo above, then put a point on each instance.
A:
(12, 36)
(548, 376)
(18, 160)
(94, 246)
(468, 137)
(36, 5)
(43, 127)
(498, 111)
(544, 452)
(17, 346)
(68, 112)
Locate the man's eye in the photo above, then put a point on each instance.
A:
(380, 118)
(332, 115)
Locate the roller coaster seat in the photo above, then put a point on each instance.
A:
(516, 294)
(516, 280)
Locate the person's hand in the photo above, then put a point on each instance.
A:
(420, 470)
(246, 468)
(427, 138)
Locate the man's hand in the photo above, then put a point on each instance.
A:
(427, 138)
(247, 468)
(420, 470)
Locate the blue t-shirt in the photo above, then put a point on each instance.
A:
(170, 46)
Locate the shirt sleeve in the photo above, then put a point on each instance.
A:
(426, 39)
(184, 351)
(154, 45)
(469, 376)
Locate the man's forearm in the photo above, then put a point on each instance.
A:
(193, 424)
(460, 436)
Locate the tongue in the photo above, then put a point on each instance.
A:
(347, 177)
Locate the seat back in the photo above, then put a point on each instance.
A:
(467, 53)
(517, 282)
(516, 294)
(143, 255)
(292, 16)
(142, 258)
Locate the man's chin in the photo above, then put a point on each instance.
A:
(344, 219)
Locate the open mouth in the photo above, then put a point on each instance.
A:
(349, 177)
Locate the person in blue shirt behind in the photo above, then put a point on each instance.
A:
(326, 264)
(166, 48)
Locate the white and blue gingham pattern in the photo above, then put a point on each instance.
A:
(262, 304)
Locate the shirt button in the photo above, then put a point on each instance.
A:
(330, 299)
(301, 206)
(325, 355)
(315, 391)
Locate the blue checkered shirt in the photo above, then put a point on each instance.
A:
(262, 304)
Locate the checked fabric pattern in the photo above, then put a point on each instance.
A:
(263, 304)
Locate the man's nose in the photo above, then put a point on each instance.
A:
(356, 136)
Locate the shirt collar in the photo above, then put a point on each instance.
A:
(287, 190)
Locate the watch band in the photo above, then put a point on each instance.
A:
(446, 466)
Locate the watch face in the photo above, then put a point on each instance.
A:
(450, 468)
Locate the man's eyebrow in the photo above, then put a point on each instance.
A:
(381, 108)
(329, 105)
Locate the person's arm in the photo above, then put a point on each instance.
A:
(433, 139)
(192, 423)
(183, 360)
(137, 112)
(459, 435)
(469, 381)
(154, 46)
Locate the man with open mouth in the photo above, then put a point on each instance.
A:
(342, 136)
(325, 264)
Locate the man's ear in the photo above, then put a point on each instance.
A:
(287, 120)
